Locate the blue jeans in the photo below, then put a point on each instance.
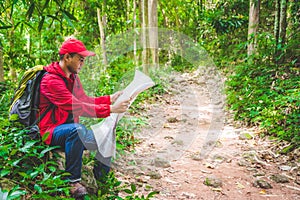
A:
(74, 139)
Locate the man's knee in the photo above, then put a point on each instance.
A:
(81, 129)
(78, 132)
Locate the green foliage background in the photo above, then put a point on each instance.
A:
(260, 92)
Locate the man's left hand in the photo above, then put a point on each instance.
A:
(115, 96)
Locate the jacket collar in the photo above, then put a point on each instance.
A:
(54, 68)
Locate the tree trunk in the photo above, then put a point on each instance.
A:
(276, 23)
(13, 74)
(102, 36)
(11, 35)
(153, 32)
(1, 66)
(128, 10)
(12, 70)
(144, 35)
(282, 29)
(165, 18)
(134, 39)
(200, 7)
(282, 22)
(293, 51)
(253, 25)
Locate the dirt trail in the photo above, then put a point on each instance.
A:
(240, 166)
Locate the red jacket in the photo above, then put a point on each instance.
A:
(54, 90)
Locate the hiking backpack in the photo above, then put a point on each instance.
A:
(25, 102)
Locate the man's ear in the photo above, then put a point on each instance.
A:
(67, 56)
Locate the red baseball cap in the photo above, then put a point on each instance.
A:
(74, 46)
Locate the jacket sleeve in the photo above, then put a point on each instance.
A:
(55, 90)
(80, 93)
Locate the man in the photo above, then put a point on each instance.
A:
(61, 88)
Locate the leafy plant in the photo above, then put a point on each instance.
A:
(266, 96)
(112, 189)
(25, 166)
(131, 195)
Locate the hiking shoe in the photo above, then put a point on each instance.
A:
(77, 190)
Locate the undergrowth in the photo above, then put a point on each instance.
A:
(267, 96)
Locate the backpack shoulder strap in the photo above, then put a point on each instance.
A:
(52, 106)
(43, 115)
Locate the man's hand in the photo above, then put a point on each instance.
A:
(115, 96)
(120, 107)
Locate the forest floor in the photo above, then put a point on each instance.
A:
(169, 157)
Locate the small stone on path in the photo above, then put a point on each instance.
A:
(154, 175)
(172, 120)
(259, 174)
(187, 195)
(160, 162)
(177, 142)
(243, 162)
(285, 167)
(218, 158)
(297, 180)
(278, 178)
(213, 182)
(262, 184)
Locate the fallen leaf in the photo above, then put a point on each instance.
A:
(262, 192)
(217, 189)
(166, 125)
(240, 186)
(207, 172)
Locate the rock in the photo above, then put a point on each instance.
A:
(210, 165)
(242, 162)
(297, 180)
(196, 157)
(154, 175)
(266, 156)
(168, 137)
(177, 142)
(218, 158)
(218, 102)
(262, 184)
(184, 120)
(172, 120)
(259, 174)
(160, 162)
(187, 195)
(213, 182)
(251, 169)
(249, 156)
(278, 178)
(134, 170)
(285, 168)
